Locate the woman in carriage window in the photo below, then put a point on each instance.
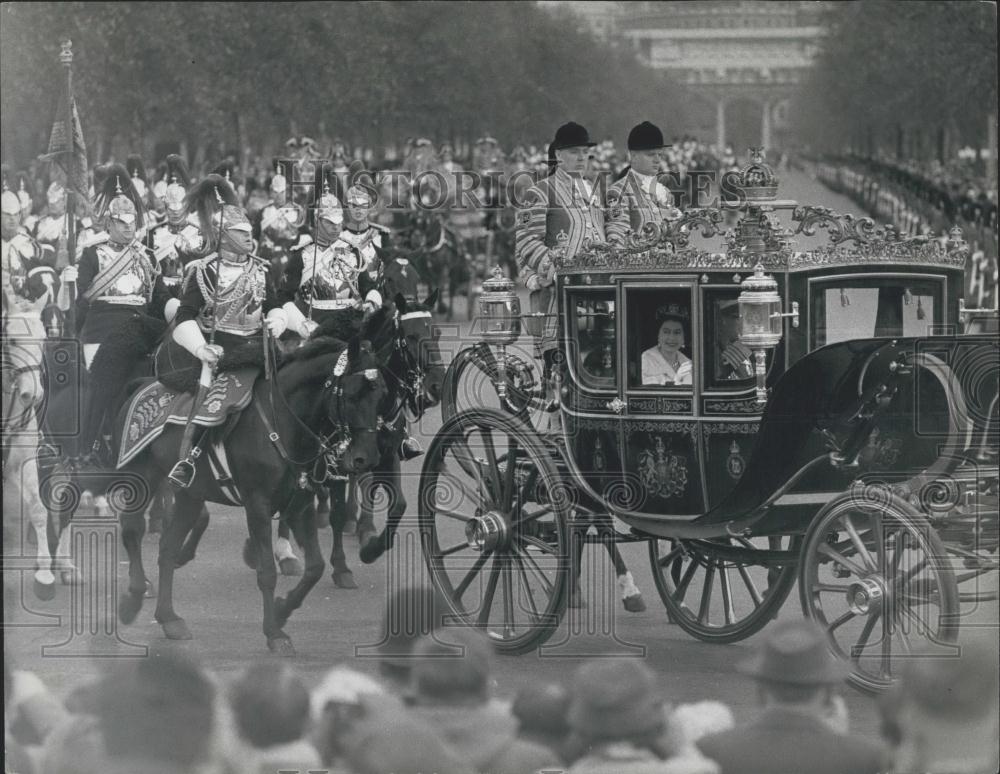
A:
(664, 363)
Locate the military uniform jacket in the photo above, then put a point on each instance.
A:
(52, 236)
(115, 283)
(26, 279)
(233, 295)
(317, 273)
(559, 211)
(631, 205)
(173, 248)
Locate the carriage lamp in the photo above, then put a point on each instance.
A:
(500, 310)
(500, 321)
(760, 322)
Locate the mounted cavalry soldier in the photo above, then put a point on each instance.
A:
(637, 198)
(227, 300)
(279, 225)
(50, 230)
(28, 283)
(176, 241)
(560, 213)
(340, 269)
(117, 282)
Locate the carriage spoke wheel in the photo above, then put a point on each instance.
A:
(723, 589)
(472, 380)
(878, 578)
(493, 524)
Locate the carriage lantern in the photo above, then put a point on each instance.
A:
(761, 322)
(500, 310)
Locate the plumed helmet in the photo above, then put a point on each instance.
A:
(279, 183)
(137, 171)
(213, 201)
(56, 193)
(9, 203)
(22, 193)
(118, 198)
(328, 207)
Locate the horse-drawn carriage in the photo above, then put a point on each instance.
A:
(837, 427)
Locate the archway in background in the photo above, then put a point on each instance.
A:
(744, 122)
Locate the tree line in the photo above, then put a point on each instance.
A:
(914, 79)
(211, 78)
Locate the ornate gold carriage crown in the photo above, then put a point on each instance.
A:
(756, 180)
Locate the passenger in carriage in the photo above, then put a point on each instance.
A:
(732, 357)
(664, 363)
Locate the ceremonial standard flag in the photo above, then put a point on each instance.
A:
(73, 163)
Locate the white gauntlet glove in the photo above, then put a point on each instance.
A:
(276, 322)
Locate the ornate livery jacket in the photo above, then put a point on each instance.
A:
(560, 211)
(635, 201)
(341, 275)
(234, 294)
(24, 276)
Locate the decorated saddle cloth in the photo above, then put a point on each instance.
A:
(155, 406)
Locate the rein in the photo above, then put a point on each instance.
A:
(331, 446)
(15, 425)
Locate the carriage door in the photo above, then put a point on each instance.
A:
(658, 358)
(592, 386)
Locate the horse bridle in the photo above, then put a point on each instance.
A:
(331, 446)
(411, 382)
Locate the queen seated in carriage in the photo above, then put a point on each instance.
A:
(664, 363)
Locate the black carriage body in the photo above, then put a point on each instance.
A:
(705, 459)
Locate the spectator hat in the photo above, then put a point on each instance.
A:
(795, 652)
(645, 137)
(615, 699)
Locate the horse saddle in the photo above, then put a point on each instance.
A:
(155, 406)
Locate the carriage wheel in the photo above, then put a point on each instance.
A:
(471, 382)
(493, 524)
(877, 577)
(723, 590)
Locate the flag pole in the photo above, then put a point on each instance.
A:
(66, 59)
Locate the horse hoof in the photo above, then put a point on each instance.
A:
(290, 566)
(281, 646)
(344, 579)
(249, 557)
(45, 591)
(176, 630)
(634, 604)
(371, 550)
(150, 592)
(350, 527)
(70, 577)
(129, 606)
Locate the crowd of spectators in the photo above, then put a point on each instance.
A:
(431, 707)
(920, 198)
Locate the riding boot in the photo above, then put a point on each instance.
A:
(89, 444)
(183, 472)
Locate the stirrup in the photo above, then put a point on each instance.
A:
(410, 449)
(182, 473)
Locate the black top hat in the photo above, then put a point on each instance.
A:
(646, 136)
(571, 135)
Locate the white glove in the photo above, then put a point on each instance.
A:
(276, 322)
(210, 354)
(533, 283)
(69, 274)
(307, 328)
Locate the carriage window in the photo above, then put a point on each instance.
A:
(862, 308)
(659, 338)
(727, 360)
(595, 350)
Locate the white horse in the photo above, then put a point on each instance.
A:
(23, 393)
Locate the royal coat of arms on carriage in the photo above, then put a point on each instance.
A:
(663, 473)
